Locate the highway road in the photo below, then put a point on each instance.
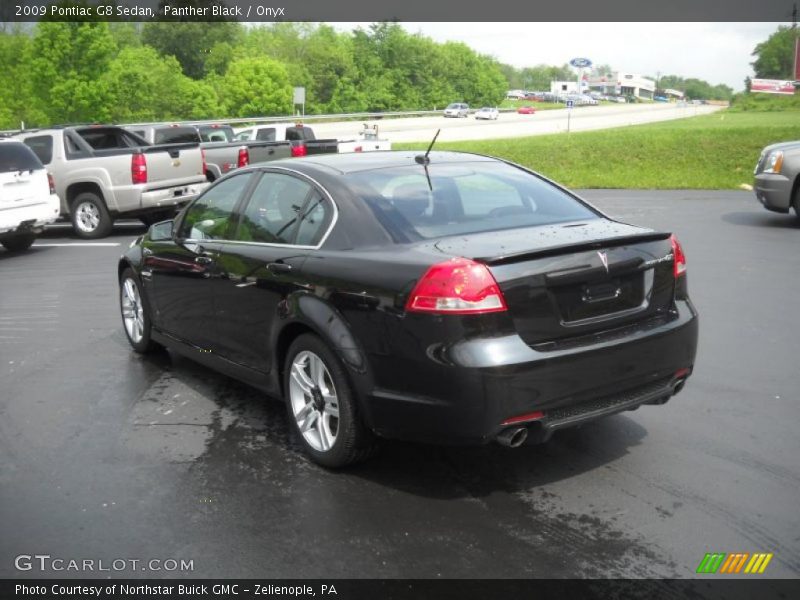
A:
(584, 118)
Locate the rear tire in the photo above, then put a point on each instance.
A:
(18, 243)
(322, 407)
(796, 201)
(90, 217)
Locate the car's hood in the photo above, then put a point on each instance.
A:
(782, 146)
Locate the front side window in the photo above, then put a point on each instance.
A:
(284, 210)
(210, 216)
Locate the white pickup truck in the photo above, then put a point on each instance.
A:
(28, 198)
(103, 172)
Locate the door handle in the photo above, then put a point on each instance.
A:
(279, 267)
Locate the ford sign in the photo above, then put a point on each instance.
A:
(581, 63)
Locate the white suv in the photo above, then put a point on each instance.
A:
(28, 200)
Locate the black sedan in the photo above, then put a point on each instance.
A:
(447, 298)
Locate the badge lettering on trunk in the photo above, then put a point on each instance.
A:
(603, 259)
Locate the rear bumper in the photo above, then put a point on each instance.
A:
(29, 219)
(477, 385)
(172, 196)
(774, 191)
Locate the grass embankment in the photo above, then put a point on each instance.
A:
(715, 151)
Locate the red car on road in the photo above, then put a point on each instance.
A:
(526, 110)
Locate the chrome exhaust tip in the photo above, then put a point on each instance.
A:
(678, 386)
(513, 437)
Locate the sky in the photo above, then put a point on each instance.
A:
(715, 52)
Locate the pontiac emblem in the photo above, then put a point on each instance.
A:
(603, 259)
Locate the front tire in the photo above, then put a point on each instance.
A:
(90, 217)
(796, 202)
(18, 243)
(322, 407)
(135, 316)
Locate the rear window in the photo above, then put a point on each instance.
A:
(266, 134)
(294, 134)
(42, 146)
(16, 156)
(466, 198)
(176, 135)
(216, 133)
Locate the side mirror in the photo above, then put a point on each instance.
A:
(161, 232)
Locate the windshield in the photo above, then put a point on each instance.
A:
(216, 133)
(469, 197)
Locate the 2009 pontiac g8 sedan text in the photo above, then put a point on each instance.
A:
(448, 298)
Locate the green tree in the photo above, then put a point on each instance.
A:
(67, 62)
(190, 43)
(775, 55)
(255, 87)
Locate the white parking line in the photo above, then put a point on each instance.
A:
(81, 244)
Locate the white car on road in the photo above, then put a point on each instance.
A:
(487, 112)
(28, 200)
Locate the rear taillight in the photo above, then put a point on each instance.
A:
(52, 183)
(138, 168)
(244, 158)
(358, 149)
(299, 150)
(203, 156)
(679, 266)
(457, 286)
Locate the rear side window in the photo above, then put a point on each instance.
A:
(210, 216)
(278, 204)
(463, 198)
(42, 146)
(176, 135)
(16, 156)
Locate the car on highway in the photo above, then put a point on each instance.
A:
(487, 113)
(777, 177)
(448, 297)
(28, 199)
(526, 110)
(457, 110)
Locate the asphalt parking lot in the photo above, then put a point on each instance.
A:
(105, 454)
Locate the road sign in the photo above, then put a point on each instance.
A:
(570, 103)
(299, 96)
(581, 63)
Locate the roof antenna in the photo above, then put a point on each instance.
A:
(425, 161)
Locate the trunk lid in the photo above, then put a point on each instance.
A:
(568, 280)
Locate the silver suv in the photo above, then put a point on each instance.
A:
(457, 109)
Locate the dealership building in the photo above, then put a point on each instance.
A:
(623, 84)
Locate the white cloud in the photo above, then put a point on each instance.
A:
(715, 52)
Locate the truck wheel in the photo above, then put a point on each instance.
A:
(18, 243)
(90, 217)
(322, 405)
